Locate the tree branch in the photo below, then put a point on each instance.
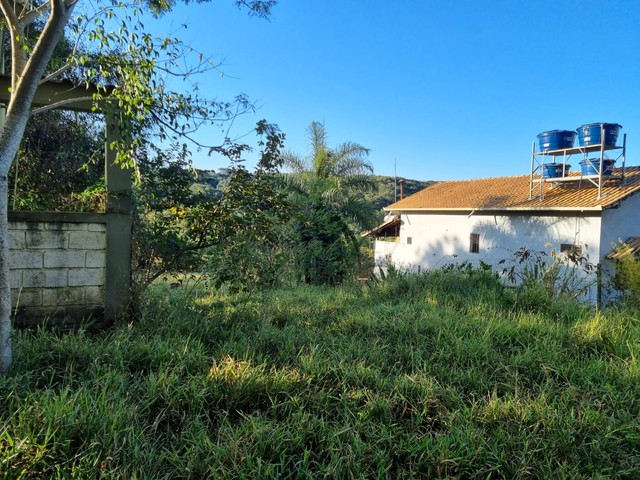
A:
(26, 77)
(9, 13)
(59, 71)
(16, 30)
(31, 15)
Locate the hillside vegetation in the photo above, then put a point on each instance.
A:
(442, 375)
(386, 193)
(389, 190)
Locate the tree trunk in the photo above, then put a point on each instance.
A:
(25, 83)
(5, 290)
(10, 137)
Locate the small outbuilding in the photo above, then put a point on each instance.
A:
(69, 266)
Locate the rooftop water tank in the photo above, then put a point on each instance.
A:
(592, 166)
(556, 140)
(555, 170)
(589, 134)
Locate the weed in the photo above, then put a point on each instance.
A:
(559, 274)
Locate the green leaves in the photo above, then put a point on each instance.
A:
(182, 228)
(329, 187)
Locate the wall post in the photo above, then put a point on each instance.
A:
(119, 221)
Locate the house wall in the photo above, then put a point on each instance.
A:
(438, 239)
(620, 223)
(57, 266)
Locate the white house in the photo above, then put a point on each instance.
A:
(489, 219)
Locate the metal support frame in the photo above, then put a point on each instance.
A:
(538, 162)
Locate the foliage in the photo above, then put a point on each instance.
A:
(252, 248)
(328, 189)
(329, 382)
(60, 166)
(60, 163)
(627, 277)
(128, 66)
(558, 274)
(177, 224)
(108, 46)
(162, 198)
(326, 249)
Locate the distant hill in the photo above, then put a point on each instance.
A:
(387, 193)
(214, 181)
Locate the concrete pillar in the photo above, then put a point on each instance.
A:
(119, 222)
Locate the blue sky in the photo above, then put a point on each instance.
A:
(442, 89)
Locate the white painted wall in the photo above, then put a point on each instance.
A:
(620, 223)
(440, 239)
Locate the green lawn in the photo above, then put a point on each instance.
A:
(439, 376)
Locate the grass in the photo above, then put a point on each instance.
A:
(435, 376)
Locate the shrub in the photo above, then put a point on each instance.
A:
(628, 279)
(559, 274)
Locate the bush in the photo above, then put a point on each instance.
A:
(628, 279)
(559, 274)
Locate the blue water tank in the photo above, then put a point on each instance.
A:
(589, 134)
(556, 140)
(592, 166)
(554, 170)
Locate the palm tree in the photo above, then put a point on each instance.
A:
(328, 188)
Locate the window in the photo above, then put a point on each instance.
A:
(571, 249)
(573, 253)
(409, 240)
(474, 243)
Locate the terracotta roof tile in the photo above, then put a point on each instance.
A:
(512, 193)
(630, 247)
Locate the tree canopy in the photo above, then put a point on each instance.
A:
(329, 187)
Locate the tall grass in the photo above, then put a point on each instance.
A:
(438, 375)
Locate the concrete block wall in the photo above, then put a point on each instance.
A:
(57, 268)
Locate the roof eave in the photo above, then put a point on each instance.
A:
(597, 208)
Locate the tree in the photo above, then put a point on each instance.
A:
(176, 223)
(330, 186)
(128, 59)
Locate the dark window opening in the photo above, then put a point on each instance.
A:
(409, 240)
(571, 249)
(474, 243)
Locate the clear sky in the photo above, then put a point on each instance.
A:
(442, 89)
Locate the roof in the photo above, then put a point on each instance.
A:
(512, 193)
(629, 247)
(383, 228)
(68, 94)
